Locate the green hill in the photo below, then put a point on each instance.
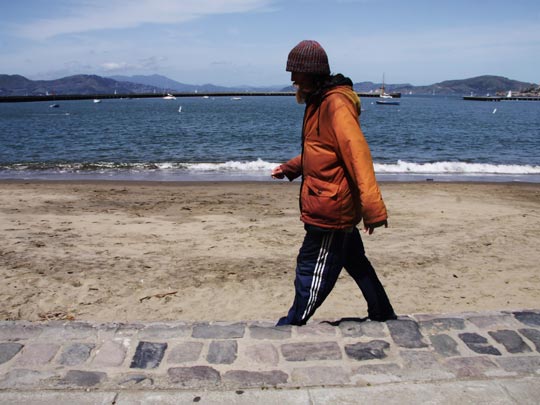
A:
(16, 85)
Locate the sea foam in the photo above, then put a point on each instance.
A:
(402, 167)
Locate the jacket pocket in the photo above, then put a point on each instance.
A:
(320, 201)
(321, 188)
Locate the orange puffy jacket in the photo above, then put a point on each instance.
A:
(339, 187)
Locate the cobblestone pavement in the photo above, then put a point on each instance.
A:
(240, 356)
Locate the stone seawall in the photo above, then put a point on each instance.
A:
(231, 356)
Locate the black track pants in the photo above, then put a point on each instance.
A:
(322, 256)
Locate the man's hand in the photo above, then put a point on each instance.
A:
(369, 228)
(277, 173)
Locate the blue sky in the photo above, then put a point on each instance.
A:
(234, 42)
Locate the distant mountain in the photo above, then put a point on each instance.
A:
(16, 85)
(167, 84)
(367, 87)
(158, 81)
(480, 85)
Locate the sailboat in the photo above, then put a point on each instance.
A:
(385, 98)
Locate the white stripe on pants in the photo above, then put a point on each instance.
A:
(317, 273)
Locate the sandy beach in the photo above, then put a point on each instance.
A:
(128, 251)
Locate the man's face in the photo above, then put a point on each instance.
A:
(305, 85)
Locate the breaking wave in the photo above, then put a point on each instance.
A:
(402, 167)
(260, 170)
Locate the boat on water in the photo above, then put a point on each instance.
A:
(385, 98)
(169, 97)
(54, 105)
(96, 101)
(387, 102)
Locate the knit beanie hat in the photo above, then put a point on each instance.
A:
(308, 57)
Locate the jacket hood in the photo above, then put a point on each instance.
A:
(336, 84)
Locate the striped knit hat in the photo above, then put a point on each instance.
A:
(308, 57)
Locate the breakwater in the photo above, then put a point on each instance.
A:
(63, 97)
(497, 98)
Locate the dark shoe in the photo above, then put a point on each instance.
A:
(377, 318)
(283, 321)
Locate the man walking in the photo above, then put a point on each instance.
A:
(338, 189)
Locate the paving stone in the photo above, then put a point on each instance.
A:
(418, 359)
(511, 341)
(422, 365)
(243, 378)
(136, 380)
(367, 351)
(311, 351)
(80, 378)
(478, 344)
(493, 321)
(219, 331)
(69, 331)
(264, 353)
(528, 318)
(80, 330)
(533, 335)
(316, 329)
(14, 331)
(128, 330)
(309, 376)
(470, 337)
(405, 333)
(379, 373)
(110, 354)
(270, 332)
(148, 355)
(443, 324)
(522, 390)
(8, 351)
(484, 349)
(520, 364)
(470, 366)
(37, 354)
(358, 329)
(194, 377)
(75, 354)
(22, 378)
(222, 352)
(164, 332)
(444, 345)
(185, 352)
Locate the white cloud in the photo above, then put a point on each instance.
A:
(114, 66)
(118, 14)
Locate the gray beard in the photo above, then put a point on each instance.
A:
(300, 97)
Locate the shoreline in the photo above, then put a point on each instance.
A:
(248, 181)
(225, 250)
(212, 178)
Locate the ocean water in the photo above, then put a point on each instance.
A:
(219, 139)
